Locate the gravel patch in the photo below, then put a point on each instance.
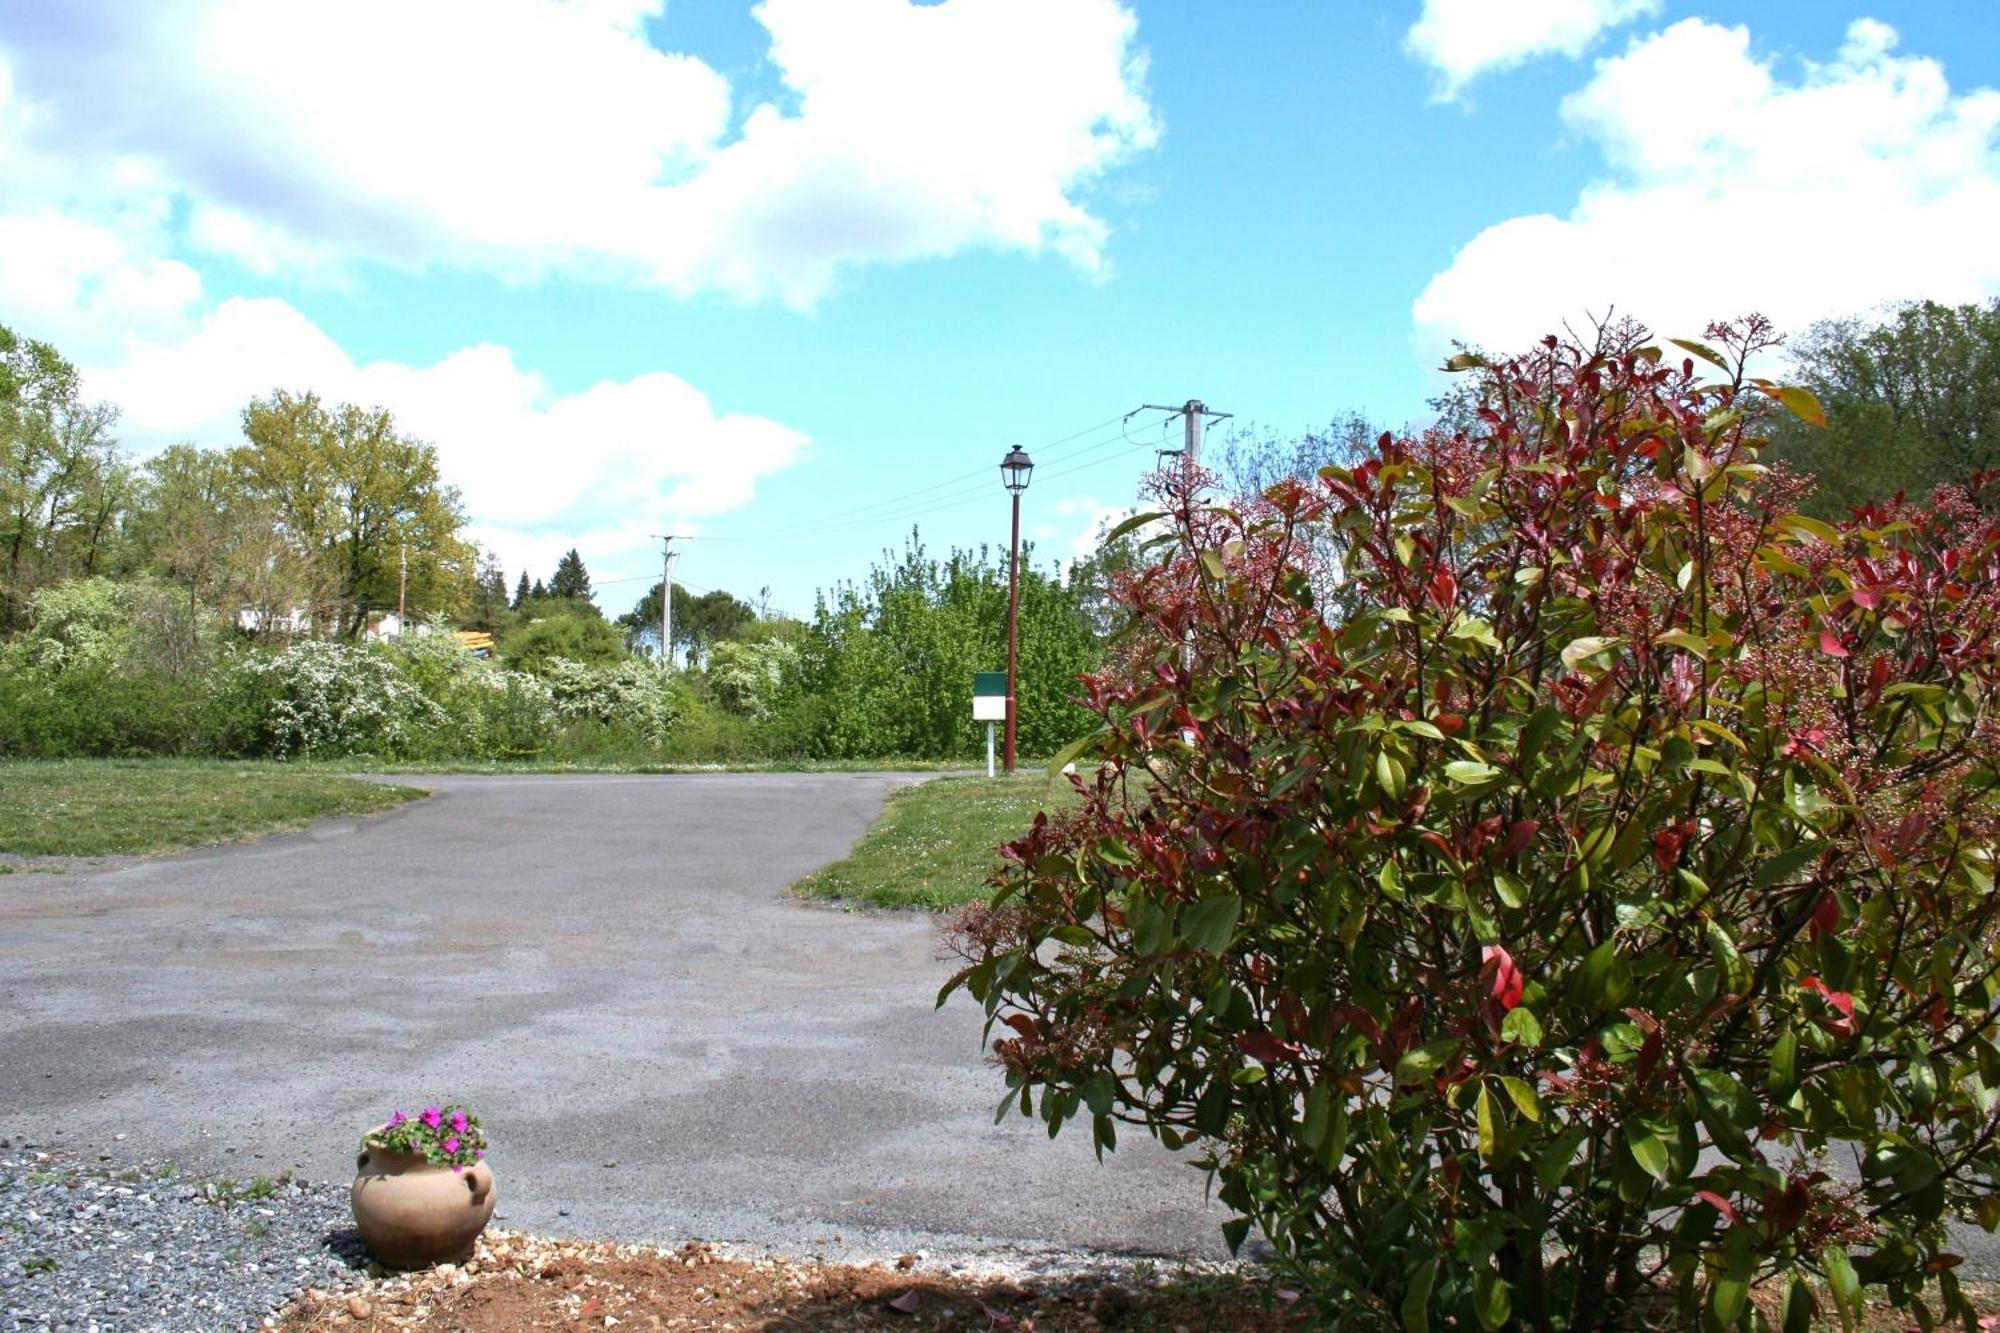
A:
(97, 1249)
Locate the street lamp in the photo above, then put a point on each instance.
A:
(1015, 469)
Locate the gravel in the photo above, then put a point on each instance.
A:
(97, 1249)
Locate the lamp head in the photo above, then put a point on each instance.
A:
(1015, 469)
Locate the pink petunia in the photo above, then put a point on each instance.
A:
(451, 1146)
(432, 1117)
(459, 1122)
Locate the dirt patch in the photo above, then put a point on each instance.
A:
(519, 1282)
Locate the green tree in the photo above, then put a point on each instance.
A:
(1912, 400)
(354, 496)
(489, 609)
(62, 486)
(571, 579)
(589, 640)
(887, 667)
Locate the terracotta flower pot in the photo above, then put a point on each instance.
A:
(413, 1214)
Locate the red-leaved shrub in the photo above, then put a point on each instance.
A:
(1570, 909)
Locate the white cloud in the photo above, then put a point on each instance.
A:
(1462, 39)
(1733, 189)
(539, 471)
(529, 136)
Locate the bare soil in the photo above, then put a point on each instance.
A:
(517, 1282)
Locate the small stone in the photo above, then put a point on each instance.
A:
(906, 1262)
(609, 1165)
(359, 1307)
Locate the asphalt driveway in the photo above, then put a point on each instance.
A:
(662, 1045)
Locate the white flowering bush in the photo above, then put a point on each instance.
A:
(516, 714)
(746, 675)
(631, 696)
(340, 699)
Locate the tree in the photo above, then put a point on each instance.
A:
(355, 497)
(888, 663)
(489, 609)
(571, 579)
(61, 486)
(521, 591)
(1911, 399)
(588, 640)
(1514, 946)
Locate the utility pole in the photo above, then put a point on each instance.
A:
(1194, 414)
(667, 541)
(403, 589)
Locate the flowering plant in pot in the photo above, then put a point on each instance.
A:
(422, 1190)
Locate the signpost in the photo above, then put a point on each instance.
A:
(989, 705)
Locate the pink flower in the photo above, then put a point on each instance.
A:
(459, 1122)
(397, 1119)
(451, 1146)
(432, 1117)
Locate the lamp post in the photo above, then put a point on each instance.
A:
(1015, 470)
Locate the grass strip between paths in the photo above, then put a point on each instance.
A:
(936, 842)
(144, 806)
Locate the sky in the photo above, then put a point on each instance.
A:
(788, 278)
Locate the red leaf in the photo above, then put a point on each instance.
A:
(907, 1302)
(1496, 963)
(1720, 1204)
(1267, 1049)
(1830, 644)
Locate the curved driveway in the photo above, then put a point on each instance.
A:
(661, 1044)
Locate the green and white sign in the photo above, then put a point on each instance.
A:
(989, 696)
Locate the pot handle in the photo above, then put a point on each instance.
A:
(478, 1182)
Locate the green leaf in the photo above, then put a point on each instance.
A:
(1152, 928)
(1210, 923)
(1211, 563)
(1581, 650)
(1136, 521)
(1234, 1232)
(1702, 350)
(1389, 774)
(1416, 1310)
(1521, 1025)
(1798, 1306)
(1469, 773)
(1604, 979)
(1680, 638)
(1648, 1149)
(1844, 1284)
(1523, 1093)
(1068, 754)
(1802, 403)
(1728, 959)
(1510, 891)
(1419, 1064)
(1726, 1298)
(1474, 630)
(1812, 527)
(1492, 1300)
(1489, 1125)
(1777, 869)
(1464, 361)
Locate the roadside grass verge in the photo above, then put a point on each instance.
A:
(105, 807)
(935, 843)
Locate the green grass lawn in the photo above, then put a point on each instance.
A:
(934, 844)
(140, 806)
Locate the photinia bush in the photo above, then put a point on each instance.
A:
(1590, 918)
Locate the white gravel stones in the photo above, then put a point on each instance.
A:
(103, 1249)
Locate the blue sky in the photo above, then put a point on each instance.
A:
(755, 272)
